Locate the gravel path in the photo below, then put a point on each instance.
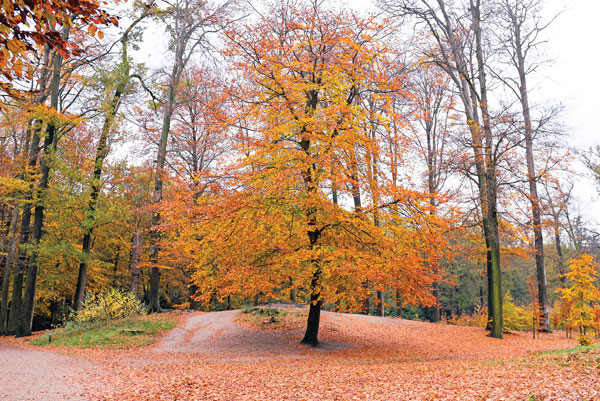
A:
(29, 375)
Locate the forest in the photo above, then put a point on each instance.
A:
(390, 160)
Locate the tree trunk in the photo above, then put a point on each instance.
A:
(31, 150)
(559, 251)
(14, 223)
(531, 178)
(314, 312)
(313, 233)
(490, 195)
(101, 153)
(153, 296)
(380, 307)
(26, 314)
(292, 291)
(134, 261)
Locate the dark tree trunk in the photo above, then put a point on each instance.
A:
(25, 319)
(174, 80)
(380, 306)
(101, 152)
(559, 252)
(313, 233)
(292, 291)
(489, 206)
(14, 224)
(314, 314)
(531, 178)
(31, 149)
(134, 261)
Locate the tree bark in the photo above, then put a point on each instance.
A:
(490, 194)
(31, 150)
(314, 313)
(313, 233)
(559, 251)
(14, 225)
(154, 296)
(531, 178)
(23, 327)
(134, 261)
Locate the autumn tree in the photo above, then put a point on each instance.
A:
(432, 139)
(117, 83)
(302, 71)
(521, 25)
(41, 17)
(582, 293)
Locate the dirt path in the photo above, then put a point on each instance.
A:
(216, 334)
(30, 375)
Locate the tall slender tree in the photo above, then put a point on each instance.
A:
(189, 22)
(521, 25)
(119, 81)
(457, 32)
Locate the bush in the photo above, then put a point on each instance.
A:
(477, 319)
(113, 304)
(584, 341)
(515, 317)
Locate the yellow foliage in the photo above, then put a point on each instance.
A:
(577, 300)
(515, 317)
(477, 319)
(113, 304)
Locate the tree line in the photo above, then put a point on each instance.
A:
(394, 160)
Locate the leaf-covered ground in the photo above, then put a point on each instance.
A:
(210, 357)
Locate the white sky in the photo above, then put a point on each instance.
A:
(572, 79)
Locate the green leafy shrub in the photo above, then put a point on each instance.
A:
(113, 304)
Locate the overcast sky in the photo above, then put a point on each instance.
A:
(572, 79)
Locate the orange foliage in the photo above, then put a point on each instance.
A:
(271, 225)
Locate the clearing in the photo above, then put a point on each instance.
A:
(224, 356)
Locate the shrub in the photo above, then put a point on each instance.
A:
(584, 340)
(477, 319)
(113, 304)
(515, 317)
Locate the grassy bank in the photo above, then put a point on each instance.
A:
(123, 333)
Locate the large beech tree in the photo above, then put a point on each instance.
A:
(273, 227)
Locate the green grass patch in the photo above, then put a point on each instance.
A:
(123, 333)
(569, 351)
